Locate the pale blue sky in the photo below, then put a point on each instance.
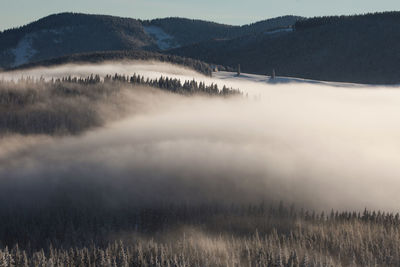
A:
(19, 12)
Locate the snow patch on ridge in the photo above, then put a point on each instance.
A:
(163, 39)
(279, 31)
(23, 52)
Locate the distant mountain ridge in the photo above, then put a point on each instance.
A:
(70, 33)
(357, 49)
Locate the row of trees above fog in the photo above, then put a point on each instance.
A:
(165, 83)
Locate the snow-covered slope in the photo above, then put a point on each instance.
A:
(156, 69)
(250, 84)
(224, 75)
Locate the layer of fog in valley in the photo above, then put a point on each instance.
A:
(317, 145)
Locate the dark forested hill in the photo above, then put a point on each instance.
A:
(361, 49)
(187, 31)
(70, 33)
(98, 57)
(67, 33)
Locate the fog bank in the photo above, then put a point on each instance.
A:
(317, 145)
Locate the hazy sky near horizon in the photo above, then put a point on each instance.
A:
(19, 12)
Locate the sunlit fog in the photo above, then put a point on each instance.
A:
(318, 145)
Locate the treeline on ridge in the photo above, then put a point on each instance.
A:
(169, 84)
(371, 18)
(97, 57)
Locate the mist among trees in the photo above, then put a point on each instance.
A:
(182, 170)
(71, 104)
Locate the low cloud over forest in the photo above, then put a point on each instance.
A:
(173, 167)
(317, 145)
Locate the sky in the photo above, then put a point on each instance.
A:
(15, 13)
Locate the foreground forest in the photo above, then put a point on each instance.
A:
(88, 223)
(202, 235)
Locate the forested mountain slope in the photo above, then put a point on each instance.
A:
(66, 33)
(70, 33)
(99, 57)
(188, 31)
(361, 49)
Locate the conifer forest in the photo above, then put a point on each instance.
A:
(245, 134)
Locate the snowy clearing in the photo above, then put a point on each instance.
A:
(163, 39)
(24, 51)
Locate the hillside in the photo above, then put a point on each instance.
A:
(70, 33)
(188, 31)
(360, 49)
(98, 57)
(66, 33)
